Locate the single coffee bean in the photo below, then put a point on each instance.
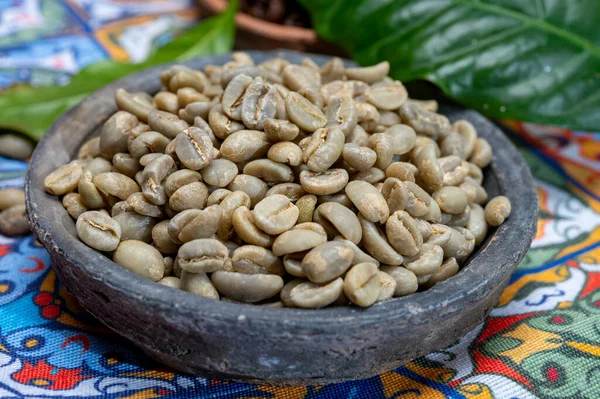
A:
(243, 224)
(468, 136)
(406, 281)
(309, 295)
(482, 153)
(89, 193)
(372, 175)
(135, 226)
(455, 170)
(194, 148)
(341, 112)
(297, 240)
(113, 138)
(343, 219)
(140, 258)
(63, 179)
(198, 284)
(269, 171)
(448, 269)
(497, 210)
(98, 165)
(252, 259)
(280, 130)
(133, 104)
(477, 223)
(285, 152)
(203, 255)
(427, 261)
(221, 124)
(229, 204)
(293, 263)
(251, 71)
(332, 70)
(189, 196)
(139, 203)
(387, 98)
(324, 148)
(166, 123)
(306, 206)
(170, 281)
(370, 74)
(161, 239)
(361, 284)
(245, 145)
(10, 197)
(382, 144)
(89, 149)
(15, 146)
(98, 230)
(327, 261)
(147, 143)
(404, 171)
(451, 199)
(189, 95)
(368, 200)
(403, 233)
(368, 116)
(125, 164)
(303, 113)
(359, 158)
(217, 196)
(259, 104)
(74, 205)
(254, 187)
(329, 182)
(231, 101)
(219, 172)
(120, 207)
(192, 224)
(275, 214)
(396, 194)
(179, 179)
(153, 177)
(248, 288)
(439, 235)
(13, 221)
(424, 122)
(387, 286)
(291, 190)
(377, 245)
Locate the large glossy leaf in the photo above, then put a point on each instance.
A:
(533, 60)
(31, 110)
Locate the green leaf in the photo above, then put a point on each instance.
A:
(532, 60)
(31, 110)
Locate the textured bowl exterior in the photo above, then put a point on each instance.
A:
(266, 345)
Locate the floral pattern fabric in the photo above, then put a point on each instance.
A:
(541, 341)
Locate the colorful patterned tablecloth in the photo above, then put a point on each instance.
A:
(541, 341)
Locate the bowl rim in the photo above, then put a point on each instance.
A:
(265, 28)
(513, 177)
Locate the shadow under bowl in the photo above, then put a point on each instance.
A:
(265, 345)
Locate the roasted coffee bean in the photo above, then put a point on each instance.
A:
(497, 210)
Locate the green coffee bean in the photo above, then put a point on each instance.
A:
(497, 210)
(63, 179)
(368, 200)
(249, 288)
(369, 74)
(329, 182)
(343, 219)
(359, 158)
(361, 284)
(98, 230)
(377, 245)
(303, 113)
(140, 258)
(291, 190)
(219, 172)
(180, 178)
(135, 226)
(309, 295)
(203, 255)
(406, 281)
(252, 259)
(11, 197)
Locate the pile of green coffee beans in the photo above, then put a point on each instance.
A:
(282, 185)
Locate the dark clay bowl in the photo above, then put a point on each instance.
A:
(264, 345)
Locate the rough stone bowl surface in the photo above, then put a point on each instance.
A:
(265, 345)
